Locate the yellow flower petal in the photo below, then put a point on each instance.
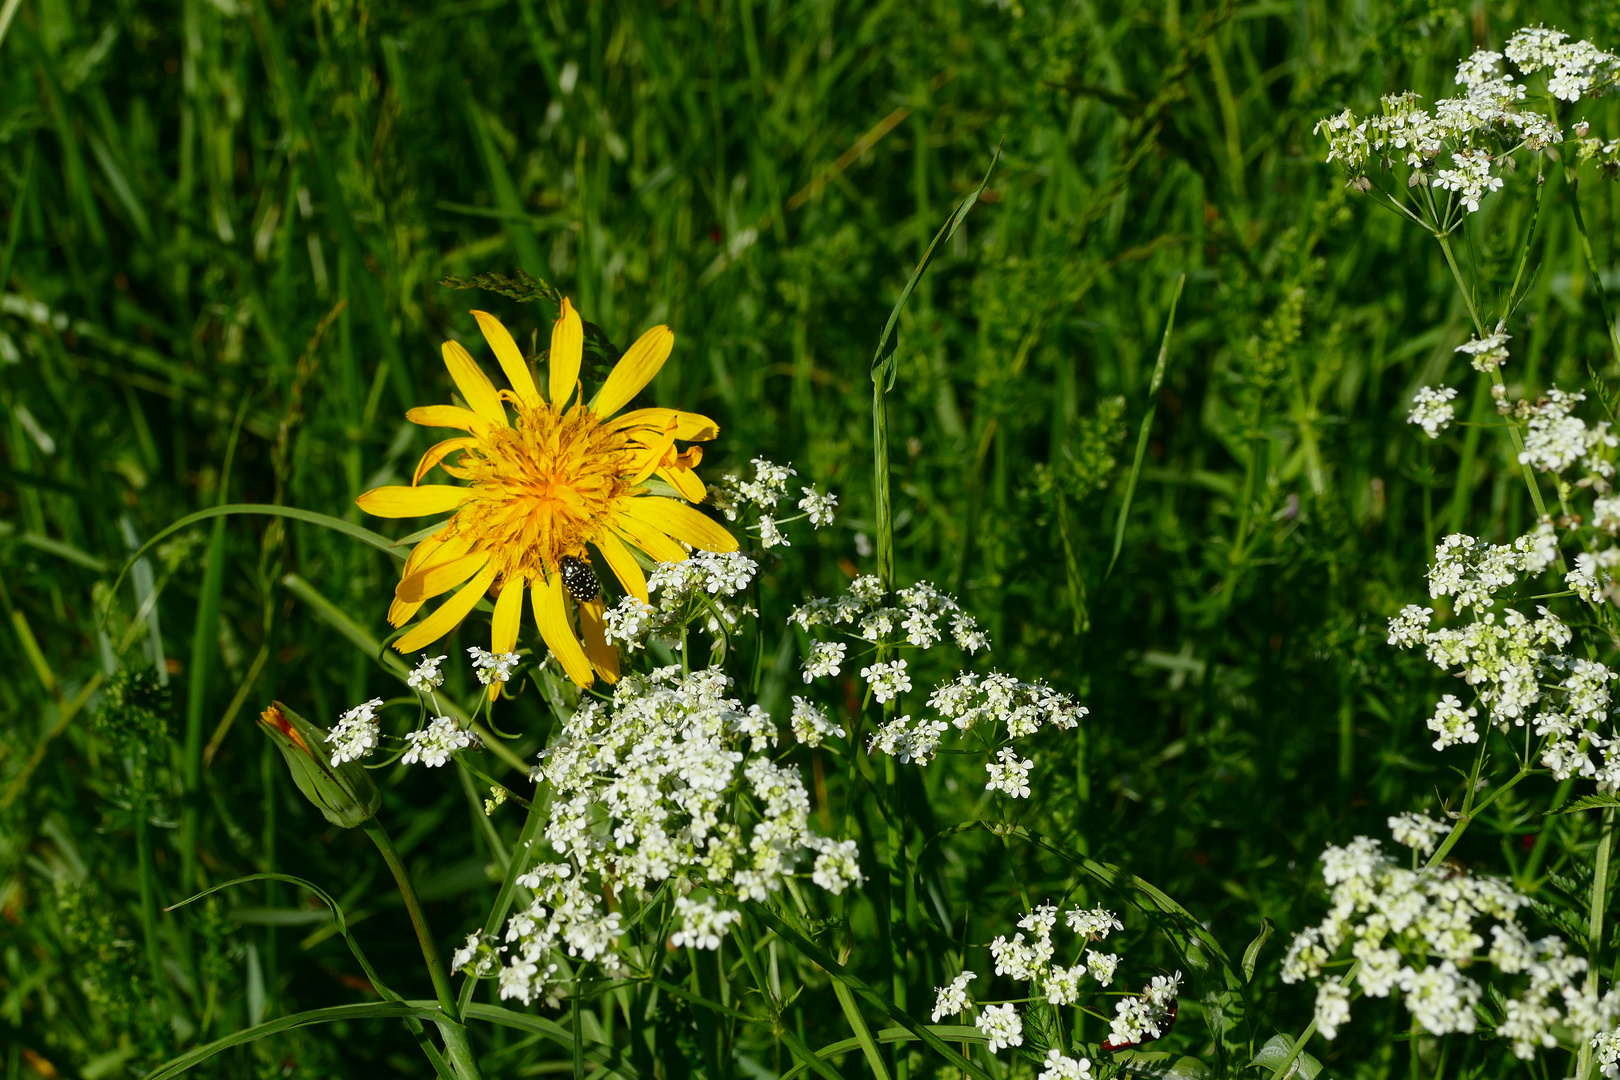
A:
(634, 370)
(436, 548)
(567, 350)
(508, 620)
(442, 576)
(403, 502)
(474, 385)
(649, 459)
(450, 613)
(551, 615)
(686, 482)
(623, 564)
(510, 358)
(689, 426)
(649, 539)
(603, 657)
(678, 520)
(508, 615)
(437, 453)
(451, 416)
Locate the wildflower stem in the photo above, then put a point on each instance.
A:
(898, 896)
(457, 1047)
(1594, 934)
(1496, 379)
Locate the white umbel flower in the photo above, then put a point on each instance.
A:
(1432, 409)
(1001, 1026)
(1059, 1067)
(1008, 774)
(952, 998)
(355, 734)
(426, 677)
(824, 658)
(434, 744)
(1417, 831)
(703, 923)
(888, 680)
(1332, 1008)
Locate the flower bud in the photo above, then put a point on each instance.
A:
(345, 793)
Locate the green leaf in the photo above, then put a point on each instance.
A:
(348, 528)
(1276, 1051)
(1587, 802)
(883, 365)
(1252, 953)
(1160, 1065)
(1147, 428)
(178, 1065)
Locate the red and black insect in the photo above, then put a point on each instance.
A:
(579, 579)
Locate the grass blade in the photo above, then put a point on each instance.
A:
(1147, 427)
(178, 1065)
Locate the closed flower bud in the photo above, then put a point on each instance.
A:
(344, 793)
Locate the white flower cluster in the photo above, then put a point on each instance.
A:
(1472, 572)
(888, 680)
(764, 493)
(698, 587)
(1030, 960)
(1432, 409)
(1420, 832)
(915, 619)
(810, 723)
(1555, 440)
(1578, 67)
(564, 915)
(426, 677)
(1146, 1016)
(356, 732)
(965, 701)
(492, 667)
(824, 658)
(906, 741)
(670, 780)
(434, 744)
(969, 700)
(1481, 127)
(703, 923)
(1416, 930)
(1522, 670)
(1486, 353)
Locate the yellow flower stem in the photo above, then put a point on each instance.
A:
(457, 1047)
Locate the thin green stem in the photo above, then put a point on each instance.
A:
(1496, 377)
(457, 1047)
(1594, 933)
(880, 483)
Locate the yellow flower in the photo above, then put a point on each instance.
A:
(565, 479)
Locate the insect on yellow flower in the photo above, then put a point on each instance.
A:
(565, 479)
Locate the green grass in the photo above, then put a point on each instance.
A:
(222, 224)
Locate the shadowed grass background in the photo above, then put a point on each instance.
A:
(223, 224)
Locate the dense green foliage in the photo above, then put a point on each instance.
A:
(222, 227)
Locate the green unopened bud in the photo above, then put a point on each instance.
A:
(344, 793)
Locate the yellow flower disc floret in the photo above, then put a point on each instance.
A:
(562, 479)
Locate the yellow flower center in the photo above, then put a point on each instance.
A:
(545, 487)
